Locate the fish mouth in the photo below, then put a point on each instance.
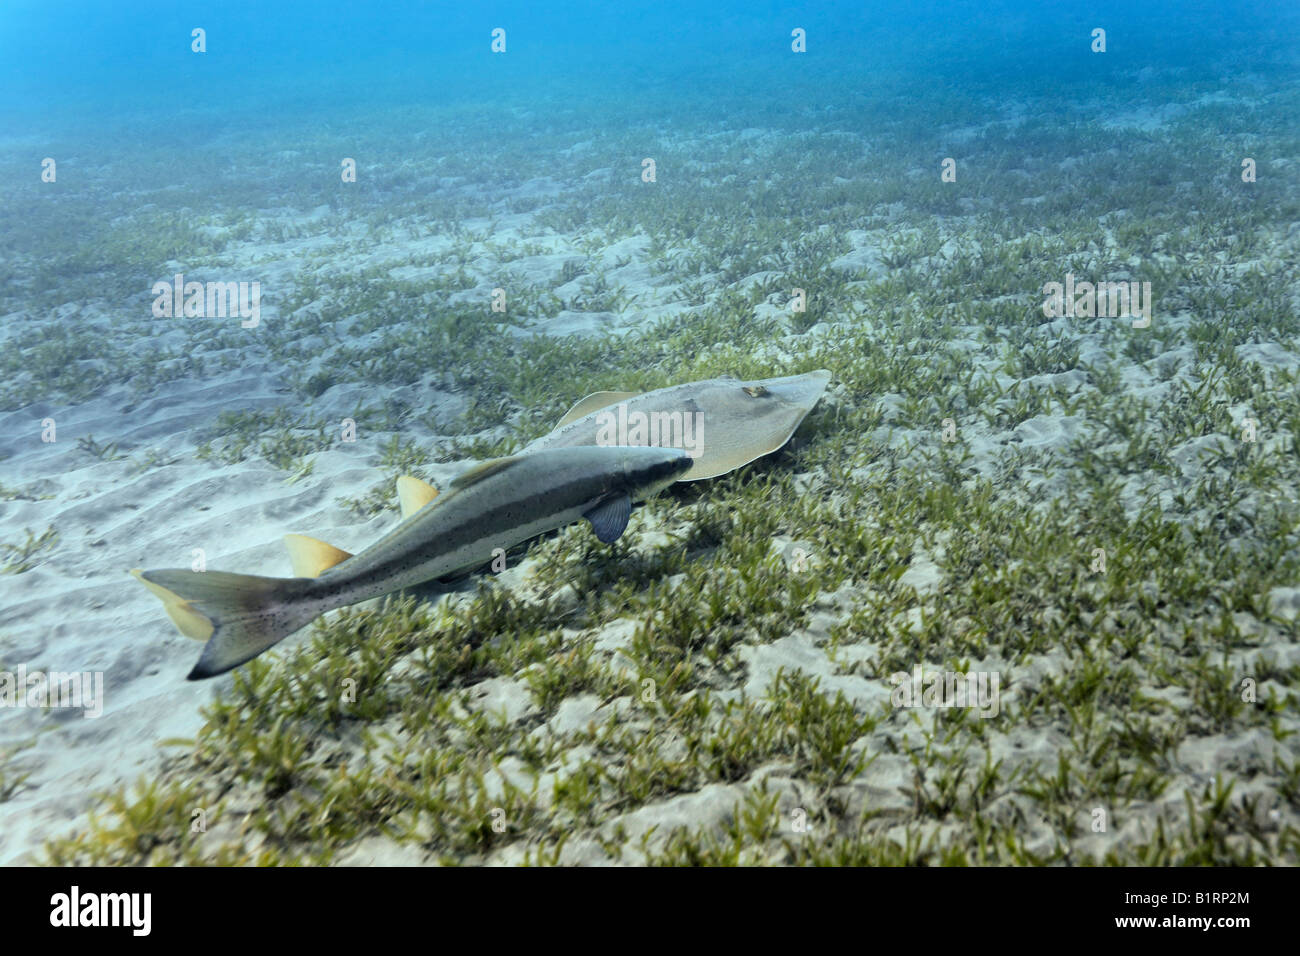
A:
(662, 474)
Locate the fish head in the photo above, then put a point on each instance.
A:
(723, 423)
(648, 470)
(743, 421)
(795, 392)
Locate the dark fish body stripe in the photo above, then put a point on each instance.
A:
(540, 492)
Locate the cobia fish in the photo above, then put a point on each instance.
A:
(497, 504)
(723, 423)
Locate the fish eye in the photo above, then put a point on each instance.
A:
(755, 391)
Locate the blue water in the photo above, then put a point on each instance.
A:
(68, 64)
(258, 123)
(777, 170)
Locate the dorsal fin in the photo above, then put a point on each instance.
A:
(311, 557)
(479, 472)
(413, 494)
(592, 402)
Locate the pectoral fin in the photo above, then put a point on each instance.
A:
(609, 518)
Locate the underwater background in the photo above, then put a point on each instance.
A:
(1099, 509)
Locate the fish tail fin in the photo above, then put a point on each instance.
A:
(239, 615)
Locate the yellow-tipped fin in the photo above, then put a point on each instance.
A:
(187, 620)
(241, 614)
(414, 494)
(311, 557)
